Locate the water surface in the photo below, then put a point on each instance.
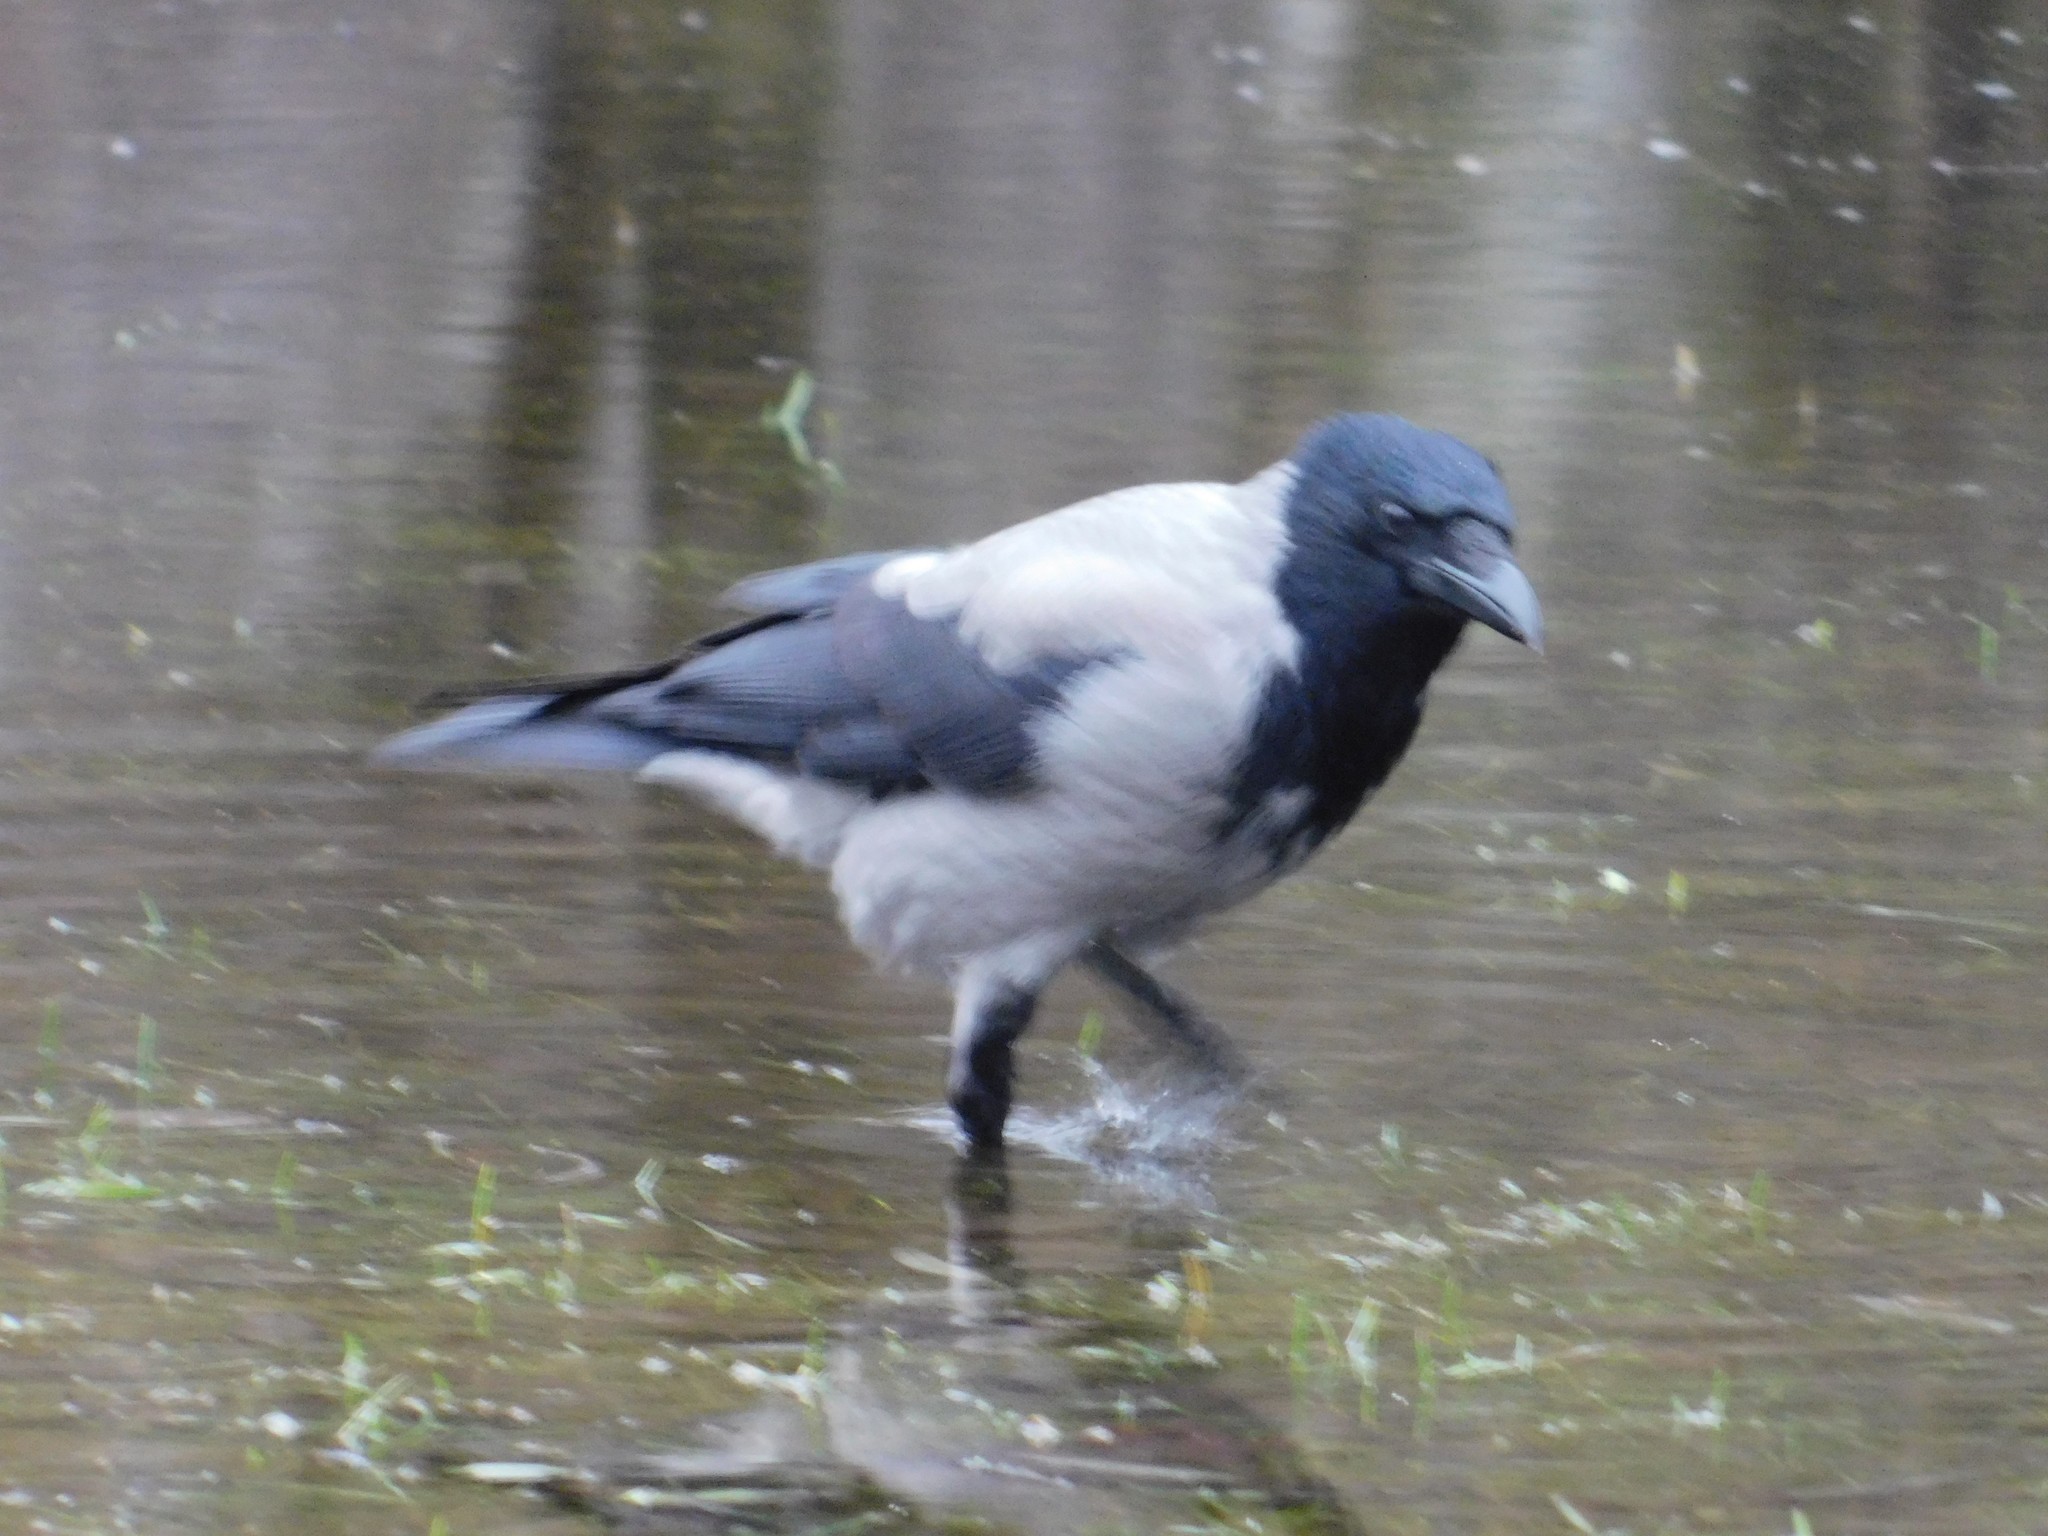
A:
(1650, 1133)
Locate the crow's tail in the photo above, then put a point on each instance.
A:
(542, 725)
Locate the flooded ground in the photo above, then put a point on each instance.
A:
(1653, 1123)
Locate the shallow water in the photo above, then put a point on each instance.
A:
(1650, 1128)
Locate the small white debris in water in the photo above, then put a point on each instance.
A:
(656, 1365)
(244, 629)
(1163, 1291)
(799, 1384)
(1864, 164)
(1621, 659)
(1246, 91)
(1101, 1434)
(718, 1162)
(1471, 165)
(1486, 855)
(1862, 23)
(1849, 215)
(1922, 1309)
(1699, 451)
(280, 1425)
(1820, 634)
(61, 926)
(1686, 372)
(1615, 881)
(91, 967)
(121, 147)
(839, 1075)
(502, 651)
(1996, 90)
(1040, 1433)
(1667, 149)
(1737, 84)
(695, 21)
(180, 679)
(511, 1473)
(804, 1067)
(1993, 1207)
(1710, 1415)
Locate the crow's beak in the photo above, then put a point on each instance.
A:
(1476, 575)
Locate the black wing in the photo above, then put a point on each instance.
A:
(829, 678)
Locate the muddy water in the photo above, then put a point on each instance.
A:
(1650, 1133)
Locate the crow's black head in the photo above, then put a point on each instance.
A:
(1422, 502)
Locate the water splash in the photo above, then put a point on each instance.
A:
(1153, 1134)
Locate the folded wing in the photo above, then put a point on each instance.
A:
(829, 678)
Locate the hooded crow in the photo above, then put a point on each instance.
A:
(1073, 739)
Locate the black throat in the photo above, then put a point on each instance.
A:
(1329, 730)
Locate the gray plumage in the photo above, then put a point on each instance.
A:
(1075, 738)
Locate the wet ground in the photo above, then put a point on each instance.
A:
(1651, 1133)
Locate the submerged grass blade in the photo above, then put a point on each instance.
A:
(53, 1033)
(93, 1135)
(355, 1367)
(1425, 1385)
(1677, 893)
(647, 1181)
(1090, 1042)
(788, 417)
(146, 1064)
(1363, 1358)
(480, 1201)
(1452, 1309)
(97, 1185)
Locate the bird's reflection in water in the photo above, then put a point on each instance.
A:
(968, 1397)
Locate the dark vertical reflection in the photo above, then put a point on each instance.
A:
(1054, 239)
(655, 301)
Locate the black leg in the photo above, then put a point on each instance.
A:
(1182, 1024)
(988, 1016)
